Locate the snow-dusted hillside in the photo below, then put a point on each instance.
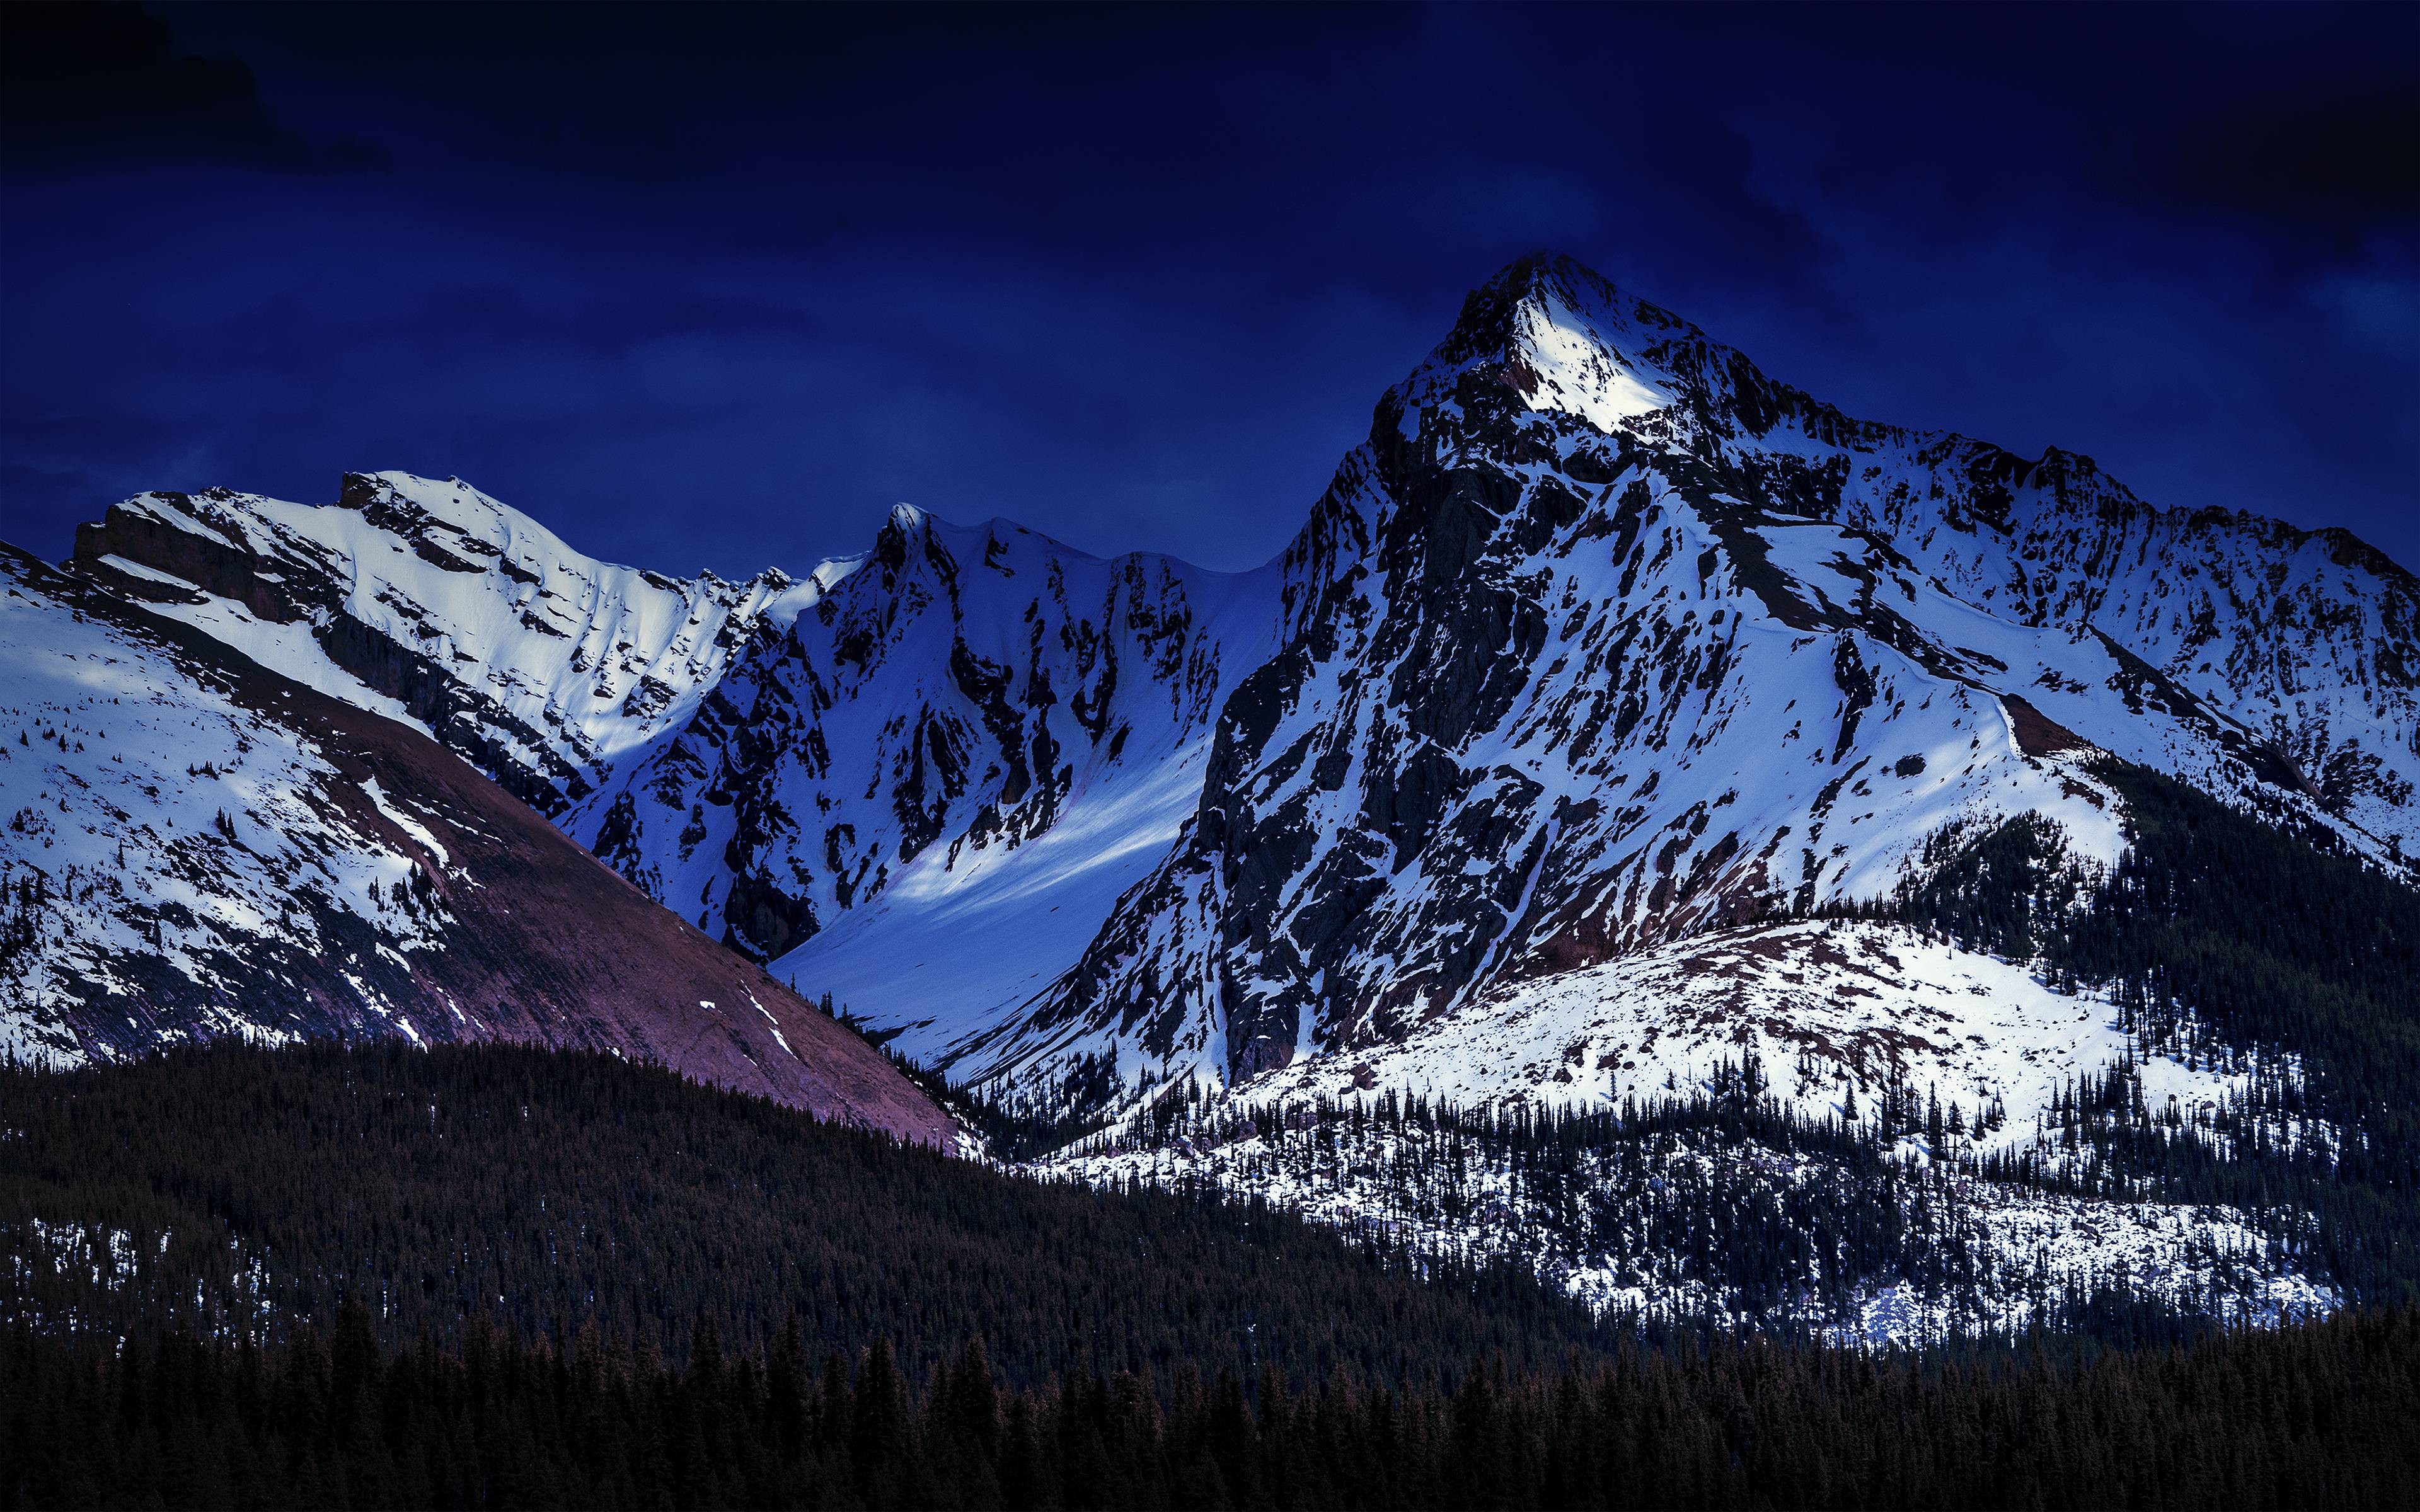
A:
(196, 847)
(1832, 1011)
(1658, 1227)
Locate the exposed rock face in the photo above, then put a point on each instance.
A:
(198, 846)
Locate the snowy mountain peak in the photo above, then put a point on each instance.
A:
(1564, 340)
(1604, 641)
(1601, 671)
(433, 603)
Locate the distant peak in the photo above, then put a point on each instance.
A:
(905, 537)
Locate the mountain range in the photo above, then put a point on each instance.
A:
(1565, 758)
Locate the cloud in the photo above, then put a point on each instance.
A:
(2342, 166)
(83, 85)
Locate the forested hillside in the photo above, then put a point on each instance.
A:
(2246, 1150)
(2275, 955)
(236, 1193)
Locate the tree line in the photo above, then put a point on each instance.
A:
(1731, 1209)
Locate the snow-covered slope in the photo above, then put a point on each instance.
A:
(159, 827)
(197, 847)
(925, 795)
(1832, 1011)
(433, 603)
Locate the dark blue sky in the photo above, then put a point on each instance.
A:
(709, 287)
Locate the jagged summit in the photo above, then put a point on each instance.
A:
(1560, 339)
(1563, 338)
(1604, 640)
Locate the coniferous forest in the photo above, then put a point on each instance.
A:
(2223, 939)
(2312, 1416)
(498, 1278)
(227, 1190)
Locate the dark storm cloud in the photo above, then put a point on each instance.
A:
(87, 84)
(720, 283)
